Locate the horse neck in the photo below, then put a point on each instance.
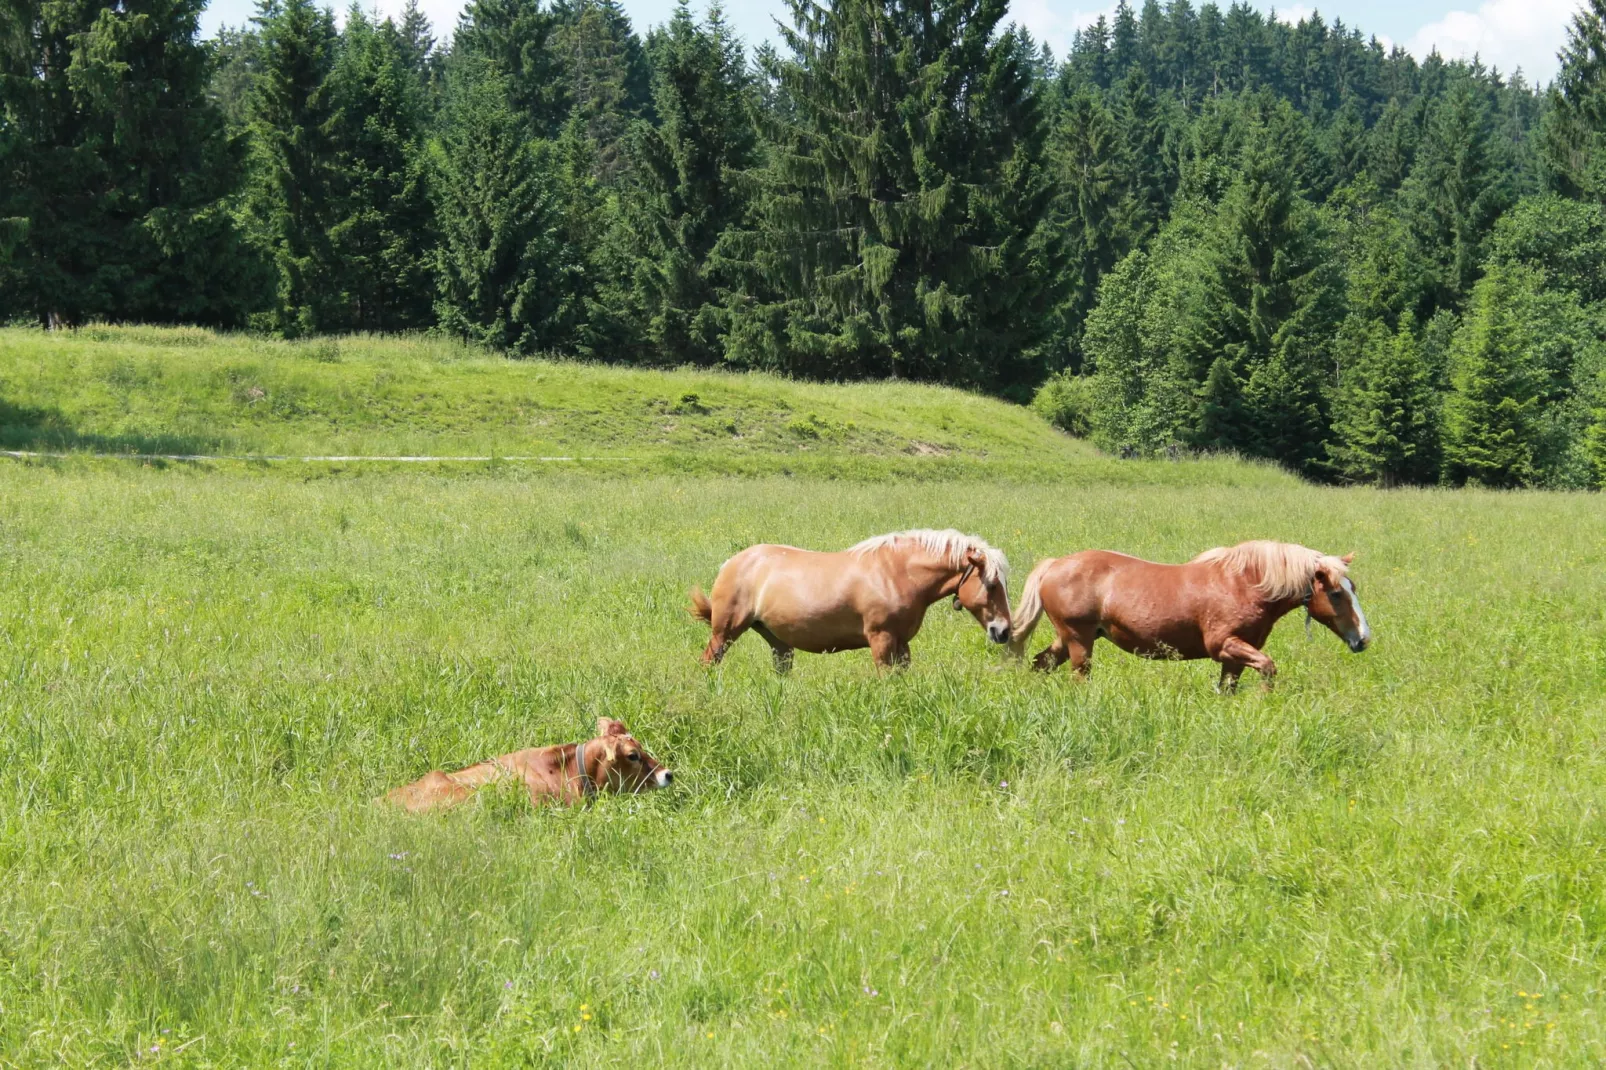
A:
(1272, 609)
(936, 578)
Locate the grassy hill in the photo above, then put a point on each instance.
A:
(187, 391)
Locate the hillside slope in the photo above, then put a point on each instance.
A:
(185, 391)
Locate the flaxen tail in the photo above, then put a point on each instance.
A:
(700, 607)
(1029, 609)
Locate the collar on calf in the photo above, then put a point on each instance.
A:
(587, 787)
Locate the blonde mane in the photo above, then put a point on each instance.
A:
(1279, 569)
(948, 544)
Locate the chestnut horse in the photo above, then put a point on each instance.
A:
(1221, 605)
(871, 595)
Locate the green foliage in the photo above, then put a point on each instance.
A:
(120, 165)
(683, 192)
(292, 201)
(1489, 418)
(503, 265)
(898, 225)
(1385, 415)
(382, 239)
(1066, 401)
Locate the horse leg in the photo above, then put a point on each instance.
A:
(725, 632)
(1229, 678)
(782, 652)
(886, 648)
(1237, 655)
(1070, 644)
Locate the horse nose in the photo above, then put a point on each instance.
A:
(665, 777)
(1358, 645)
(998, 631)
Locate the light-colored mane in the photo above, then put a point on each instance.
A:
(948, 544)
(1279, 569)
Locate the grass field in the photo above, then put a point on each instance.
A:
(207, 671)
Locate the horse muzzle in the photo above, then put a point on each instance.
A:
(998, 631)
(1358, 645)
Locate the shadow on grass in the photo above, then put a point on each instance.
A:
(40, 430)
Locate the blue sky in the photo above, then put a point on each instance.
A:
(1506, 33)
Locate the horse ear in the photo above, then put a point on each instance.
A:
(1348, 558)
(1324, 578)
(976, 560)
(607, 727)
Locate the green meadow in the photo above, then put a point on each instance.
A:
(209, 669)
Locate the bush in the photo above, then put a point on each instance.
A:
(1066, 401)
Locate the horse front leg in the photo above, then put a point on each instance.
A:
(888, 650)
(1236, 655)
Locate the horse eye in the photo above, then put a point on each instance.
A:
(635, 756)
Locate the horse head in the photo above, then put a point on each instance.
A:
(985, 597)
(1334, 603)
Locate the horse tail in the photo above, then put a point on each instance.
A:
(699, 606)
(1029, 610)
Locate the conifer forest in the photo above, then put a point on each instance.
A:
(1201, 230)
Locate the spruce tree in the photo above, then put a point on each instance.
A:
(1574, 129)
(381, 236)
(515, 38)
(291, 203)
(115, 167)
(1148, 172)
(1272, 300)
(1384, 418)
(501, 249)
(900, 226)
(683, 192)
(1490, 412)
(1094, 200)
(606, 73)
(1459, 185)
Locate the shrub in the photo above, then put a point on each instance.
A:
(1066, 401)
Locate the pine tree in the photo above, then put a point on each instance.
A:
(683, 194)
(900, 227)
(607, 74)
(1490, 412)
(382, 233)
(516, 39)
(115, 167)
(1149, 174)
(1574, 129)
(1272, 300)
(1089, 162)
(501, 248)
(291, 204)
(1459, 185)
(1384, 420)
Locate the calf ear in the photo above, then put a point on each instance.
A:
(607, 726)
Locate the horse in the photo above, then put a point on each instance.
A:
(1221, 605)
(874, 594)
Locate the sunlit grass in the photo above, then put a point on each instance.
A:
(205, 676)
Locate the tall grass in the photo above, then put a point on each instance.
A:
(1393, 860)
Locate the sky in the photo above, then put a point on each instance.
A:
(1508, 34)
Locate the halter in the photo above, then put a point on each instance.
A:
(1311, 593)
(587, 788)
(963, 576)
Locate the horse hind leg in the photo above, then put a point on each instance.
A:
(1074, 645)
(782, 652)
(726, 629)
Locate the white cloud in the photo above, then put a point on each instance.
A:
(1507, 34)
(1294, 14)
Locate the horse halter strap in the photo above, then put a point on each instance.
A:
(587, 787)
(1309, 594)
(963, 576)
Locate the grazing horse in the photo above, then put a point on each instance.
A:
(1221, 605)
(871, 595)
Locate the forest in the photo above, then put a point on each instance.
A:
(1200, 230)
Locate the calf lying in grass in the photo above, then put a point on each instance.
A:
(566, 773)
